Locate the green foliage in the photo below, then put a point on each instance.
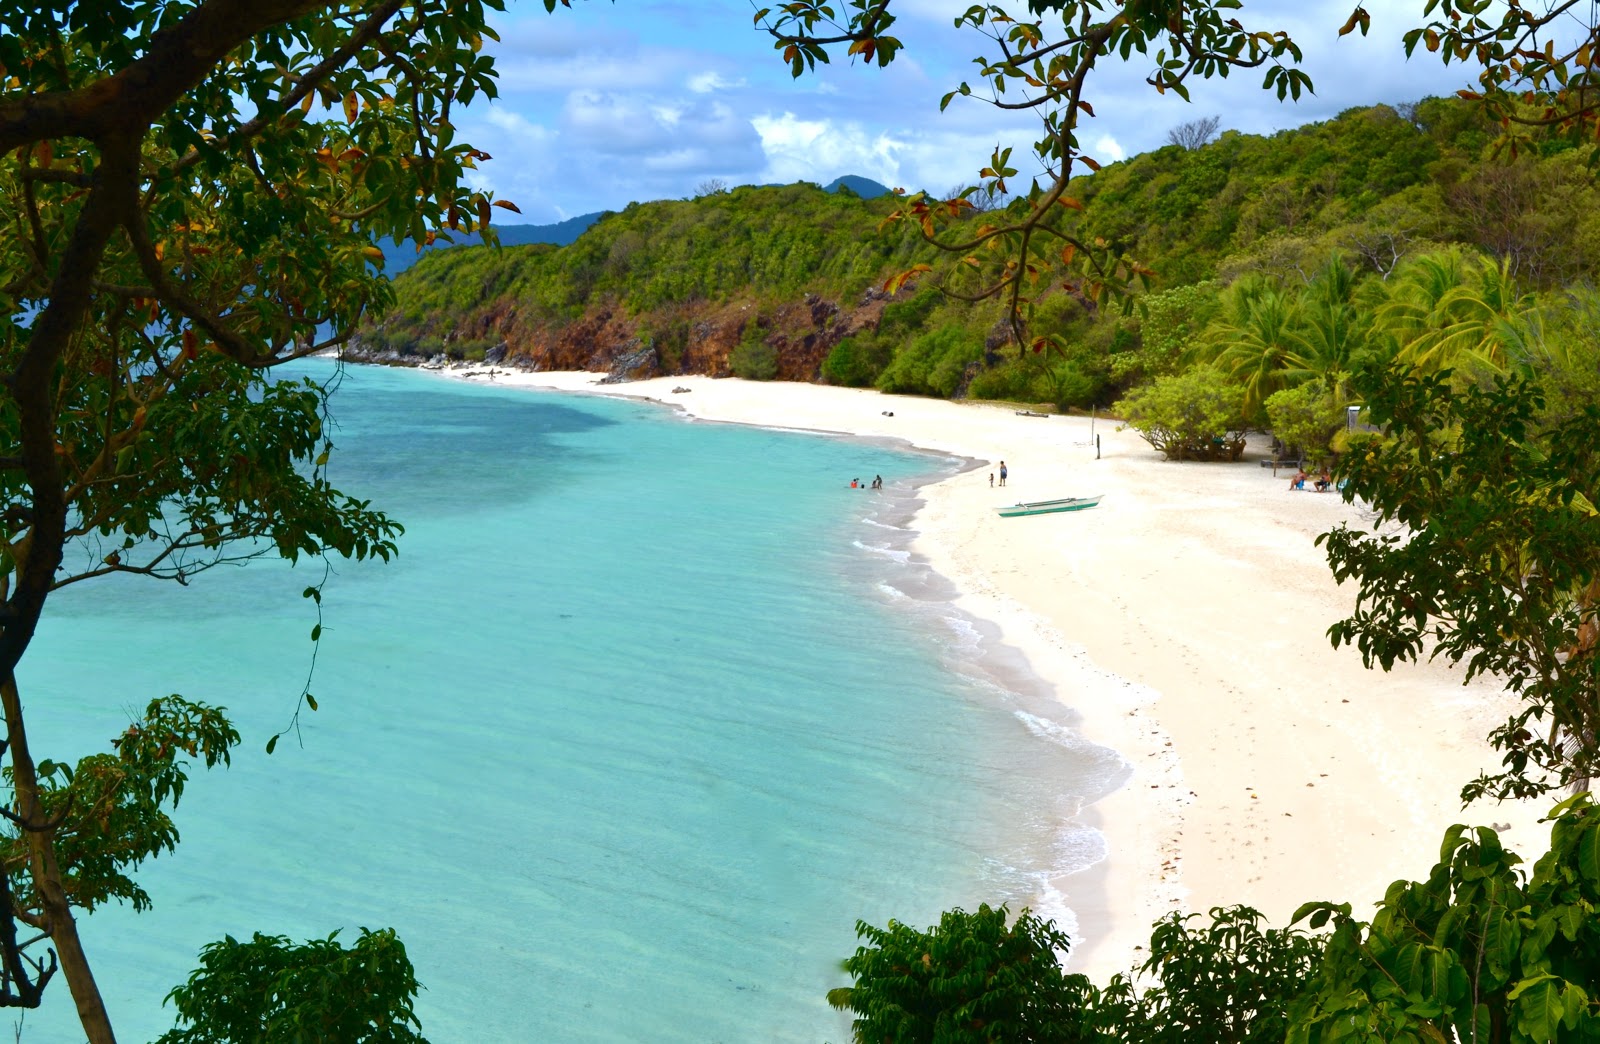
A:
(1476, 953)
(972, 978)
(779, 242)
(1306, 417)
(1015, 380)
(754, 359)
(112, 808)
(1451, 309)
(1169, 322)
(1500, 569)
(933, 364)
(908, 315)
(1194, 415)
(271, 991)
(857, 361)
(1227, 982)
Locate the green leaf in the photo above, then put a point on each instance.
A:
(1540, 1007)
(272, 744)
(1589, 850)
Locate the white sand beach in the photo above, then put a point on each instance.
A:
(1184, 619)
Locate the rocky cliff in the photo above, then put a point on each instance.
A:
(693, 338)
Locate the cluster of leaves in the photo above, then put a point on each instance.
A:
(972, 977)
(1195, 415)
(1497, 565)
(272, 991)
(755, 359)
(112, 809)
(1479, 952)
(1228, 980)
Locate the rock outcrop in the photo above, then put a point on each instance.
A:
(687, 338)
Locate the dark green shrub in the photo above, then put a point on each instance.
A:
(971, 978)
(856, 361)
(933, 364)
(754, 360)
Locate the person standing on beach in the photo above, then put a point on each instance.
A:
(1003, 472)
(991, 479)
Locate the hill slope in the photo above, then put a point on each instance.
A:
(781, 281)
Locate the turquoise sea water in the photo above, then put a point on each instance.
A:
(647, 713)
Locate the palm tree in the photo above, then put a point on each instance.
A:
(1448, 311)
(1333, 331)
(1257, 340)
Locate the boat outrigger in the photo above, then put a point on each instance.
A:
(1045, 507)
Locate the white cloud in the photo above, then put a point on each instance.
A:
(627, 123)
(1107, 150)
(820, 150)
(706, 82)
(516, 123)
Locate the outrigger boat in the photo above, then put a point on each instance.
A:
(1045, 507)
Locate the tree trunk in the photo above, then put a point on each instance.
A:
(47, 876)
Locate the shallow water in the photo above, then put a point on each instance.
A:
(647, 713)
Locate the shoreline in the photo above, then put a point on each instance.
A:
(1183, 623)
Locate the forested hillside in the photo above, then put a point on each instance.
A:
(1279, 260)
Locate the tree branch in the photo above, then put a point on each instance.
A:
(178, 57)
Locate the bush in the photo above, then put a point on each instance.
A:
(1231, 980)
(1066, 384)
(933, 364)
(856, 362)
(754, 359)
(908, 316)
(270, 990)
(970, 978)
(1306, 417)
(1194, 415)
(1012, 381)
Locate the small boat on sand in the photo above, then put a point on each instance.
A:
(1045, 507)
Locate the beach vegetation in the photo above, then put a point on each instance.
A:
(1479, 952)
(856, 362)
(1306, 418)
(1163, 332)
(755, 358)
(1226, 977)
(935, 363)
(1198, 414)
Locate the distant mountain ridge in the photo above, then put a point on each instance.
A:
(866, 188)
(397, 257)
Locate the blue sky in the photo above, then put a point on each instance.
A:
(608, 103)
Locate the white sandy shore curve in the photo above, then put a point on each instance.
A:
(1185, 619)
